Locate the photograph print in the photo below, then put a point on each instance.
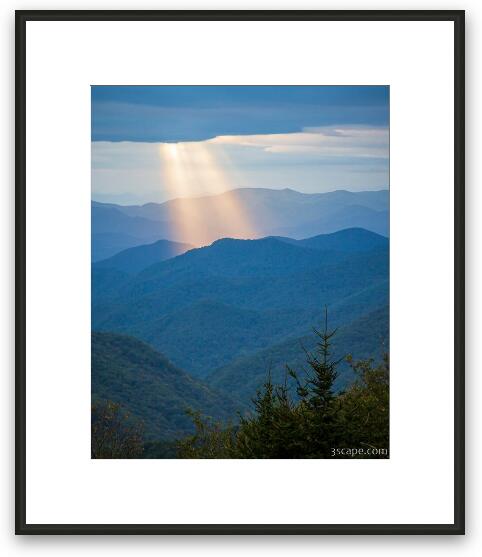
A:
(240, 272)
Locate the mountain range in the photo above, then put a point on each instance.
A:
(267, 212)
(187, 320)
(135, 259)
(228, 312)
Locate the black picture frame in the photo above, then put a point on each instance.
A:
(21, 18)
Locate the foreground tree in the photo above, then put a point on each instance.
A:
(210, 440)
(311, 426)
(317, 406)
(114, 433)
(364, 407)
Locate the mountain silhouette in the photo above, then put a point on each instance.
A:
(245, 213)
(135, 259)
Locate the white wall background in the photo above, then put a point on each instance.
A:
(213, 546)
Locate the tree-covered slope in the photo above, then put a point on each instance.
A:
(209, 306)
(365, 337)
(106, 284)
(133, 374)
(240, 274)
(208, 334)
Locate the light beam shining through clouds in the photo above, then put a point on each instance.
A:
(188, 169)
(168, 145)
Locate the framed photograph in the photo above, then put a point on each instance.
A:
(240, 272)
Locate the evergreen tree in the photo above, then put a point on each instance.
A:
(312, 426)
(317, 399)
(273, 432)
(364, 407)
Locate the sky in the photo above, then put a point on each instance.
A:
(154, 143)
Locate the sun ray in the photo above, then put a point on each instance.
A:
(190, 169)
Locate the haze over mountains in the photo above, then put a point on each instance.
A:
(135, 259)
(214, 264)
(218, 318)
(239, 213)
(227, 313)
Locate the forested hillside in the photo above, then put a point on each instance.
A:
(134, 375)
(203, 332)
(211, 306)
(320, 422)
(364, 338)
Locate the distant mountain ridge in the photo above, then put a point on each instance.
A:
(135, 259)
(352, 240)
(347, 240)
(375, 199)
(267, 212)
(112, 231)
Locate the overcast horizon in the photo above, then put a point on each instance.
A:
(152, 144)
